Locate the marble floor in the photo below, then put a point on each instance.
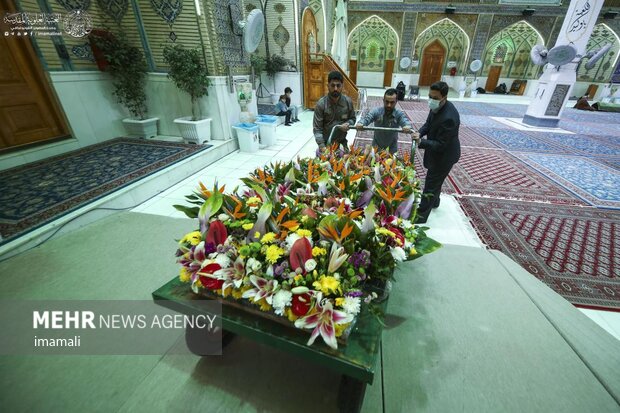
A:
(447, 224)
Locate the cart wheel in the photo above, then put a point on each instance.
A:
(202, 342)
(351, 395)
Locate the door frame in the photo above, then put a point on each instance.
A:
(308, 21)
(423, 60)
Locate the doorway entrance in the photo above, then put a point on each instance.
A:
(433, 58)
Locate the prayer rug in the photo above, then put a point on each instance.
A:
(587, 128)
(469, 137)
(477, 121)
(421, 106)
(496, 174)
(593, 182)
(416, 117)
(37, 193)
(515, 140)
(580, 144)
(575, 251)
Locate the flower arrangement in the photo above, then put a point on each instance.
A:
(306, 238)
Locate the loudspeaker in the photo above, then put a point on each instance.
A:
(528, 12)
(450, 10)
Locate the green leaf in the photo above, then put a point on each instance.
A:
(191, 212)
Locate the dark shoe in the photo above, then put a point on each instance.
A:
(295, 120)
(436, 204)
(287, 124)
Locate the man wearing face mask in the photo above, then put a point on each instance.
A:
(387, 116)
(334, 109)
(442, 148)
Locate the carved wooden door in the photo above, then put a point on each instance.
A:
(387, 74)
(433, 58)
(494, 72)
(29, 111)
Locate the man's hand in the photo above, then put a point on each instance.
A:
(406, 129)
(344, 127)
(416, 137)
(359, 126)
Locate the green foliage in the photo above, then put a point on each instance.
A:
(128, 68)
(188, 72)
(258, 63)
(275, 63)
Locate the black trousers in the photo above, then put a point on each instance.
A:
(432, 189)
(286, 114)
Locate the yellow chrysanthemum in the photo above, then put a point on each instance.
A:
(340, 328)
(386, 232)
(184, 275)
(268, 237)
(237, 294)
(193, 238)
(326, 284)
(264, 305)
(318, 251)
(298, 278)
(273, 253)
(304, 218)
(412, 251)
(247, 227)
(304, 233)
(252, 201)
(339, 301)
(226, 292)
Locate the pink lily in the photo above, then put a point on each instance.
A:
(262, 289)
(322, 321)
(233, 277)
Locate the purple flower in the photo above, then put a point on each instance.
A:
(210, 248)
(354, 294)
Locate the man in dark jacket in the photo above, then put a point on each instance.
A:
(333, 110)
(442, 148)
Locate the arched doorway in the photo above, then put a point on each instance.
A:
(313, 68)
(433, 58)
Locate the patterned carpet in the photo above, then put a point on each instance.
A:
(575, 251)
(595, 183)
(34, 194)
(497, 174)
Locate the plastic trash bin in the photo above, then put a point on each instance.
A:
(247, 134)
(267, 127)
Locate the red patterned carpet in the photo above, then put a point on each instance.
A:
(497, 174)
(575, 251)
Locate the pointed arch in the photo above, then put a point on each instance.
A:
(510, 48)
(383, 21)
(604, 68)
(366, 36)
(452, 36)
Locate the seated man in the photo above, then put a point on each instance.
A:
(283, 110)
(287, 93)
(388, 116)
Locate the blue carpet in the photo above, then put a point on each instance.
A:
(593, 182)
(579, 144)
(478, 121)
(34, 194)
(515, 140)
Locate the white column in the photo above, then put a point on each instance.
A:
(555, 85)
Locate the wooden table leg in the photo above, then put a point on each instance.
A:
(351, 395)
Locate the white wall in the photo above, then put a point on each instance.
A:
(370, 79)
(94, 116)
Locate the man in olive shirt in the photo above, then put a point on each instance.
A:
(388, 116)
(334, 109)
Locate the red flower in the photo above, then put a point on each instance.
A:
(301, 304)
(301, 251)
(399, 235)
(216, 234)
(208, 282)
